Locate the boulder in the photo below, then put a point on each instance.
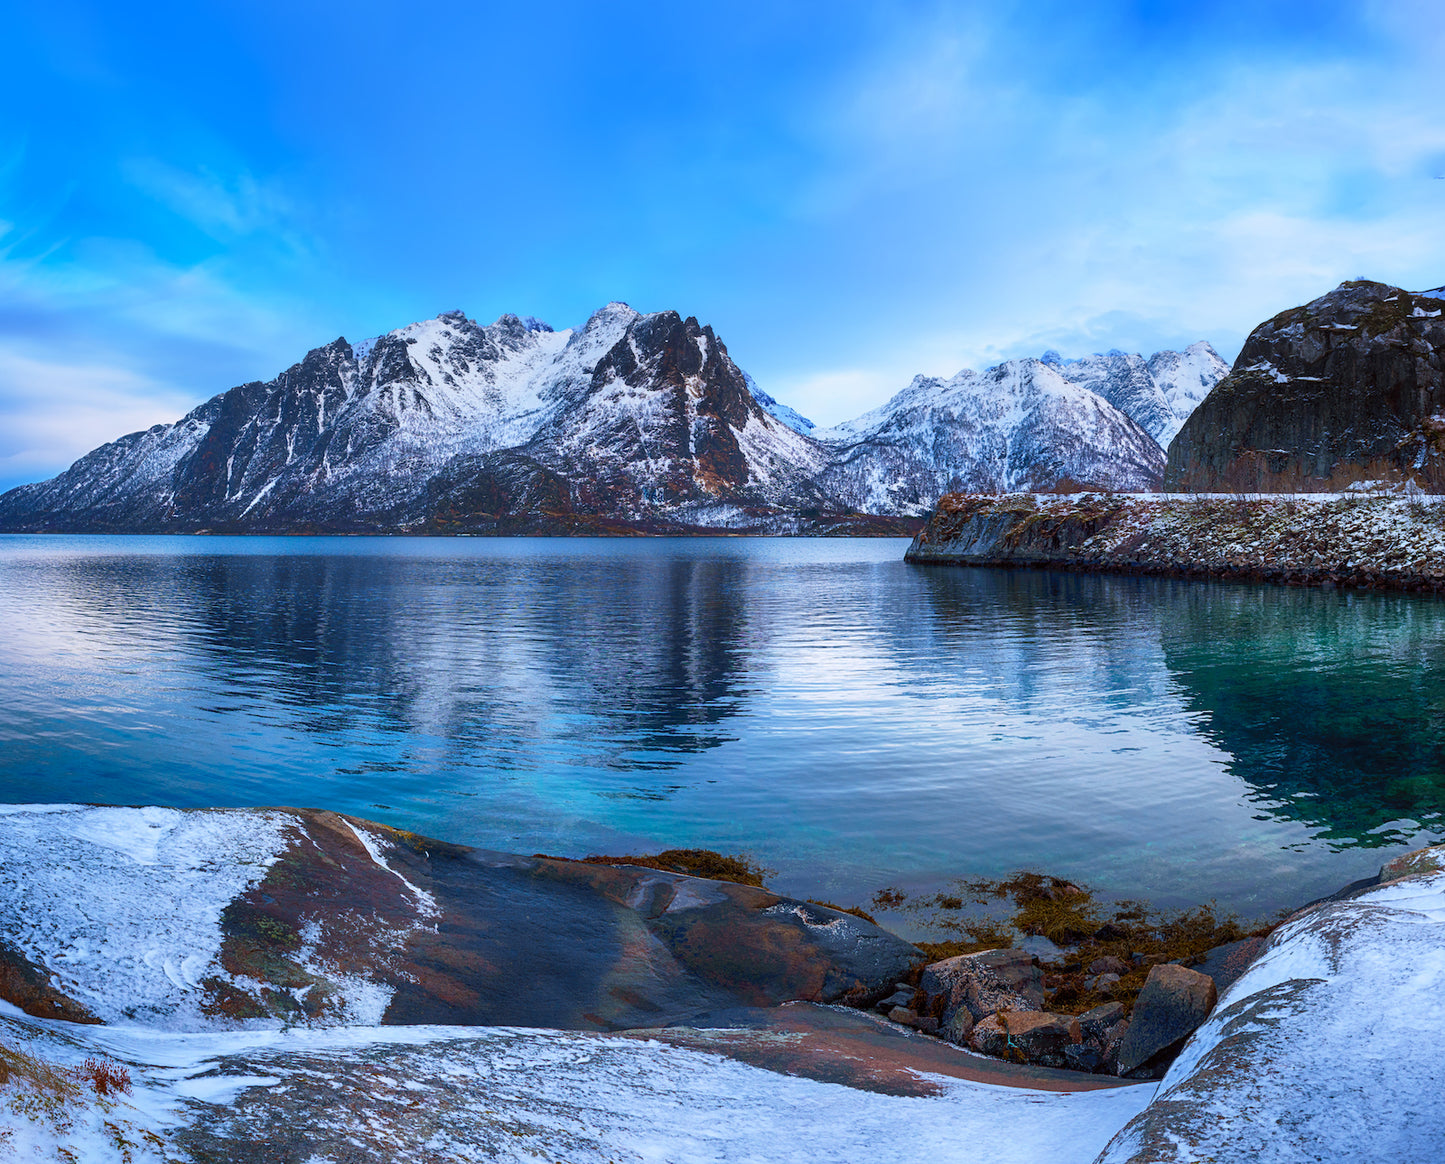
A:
(982, 983)
(1227, 962)
(1030, 1036)
(1427, 860)
(959, 1026)
(1096, 1023)
(903, 996)
(1175, 1001)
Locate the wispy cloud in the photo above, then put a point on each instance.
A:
(52, 411)
(1069, 210)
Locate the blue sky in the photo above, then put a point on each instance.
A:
(192, 195)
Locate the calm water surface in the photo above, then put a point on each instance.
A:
(849, 720)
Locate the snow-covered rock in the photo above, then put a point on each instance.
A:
(378, 1095)
(1158, 394)
(1326, 1048)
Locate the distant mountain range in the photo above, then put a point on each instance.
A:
(632, 423)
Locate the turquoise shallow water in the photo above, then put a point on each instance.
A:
(849, 720)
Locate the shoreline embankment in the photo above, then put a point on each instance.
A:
(1360, 541)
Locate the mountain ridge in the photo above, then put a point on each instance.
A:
(631, 423)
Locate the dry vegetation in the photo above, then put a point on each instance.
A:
(695, 863)
(970, 918)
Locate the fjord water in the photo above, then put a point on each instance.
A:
(849, 720)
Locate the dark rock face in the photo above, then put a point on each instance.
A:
(1349, 387)
(1173, 1004)
(465, 937)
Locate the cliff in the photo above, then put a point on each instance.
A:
(1348, 388)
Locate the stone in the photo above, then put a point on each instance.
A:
(1082, 1057)
(1101, 982)
(926, 1023)
(982, 983)
(1174, 1002)
(1108, 964)
(903, 1014)
(1427, 860)
(903, 997)
(1096, 1023)
(958, 1027)
(1029, 1036)
(1113, 1039)
(1227, 962)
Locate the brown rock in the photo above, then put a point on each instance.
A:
(1427, 860)
(1172, 1005)
(1108, 964)
(28, 986)
(905, 1015)
(959, 1026)
(1029, 1036)
(982, 984)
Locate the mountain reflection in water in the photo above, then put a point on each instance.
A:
(849, 720)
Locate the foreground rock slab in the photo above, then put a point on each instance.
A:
(448, 1095)
(220, 918)
(838, 1045)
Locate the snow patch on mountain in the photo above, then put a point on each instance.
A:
(791, 417)
(1018, 426)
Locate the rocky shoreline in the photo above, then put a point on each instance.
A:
(1360, 540)
(228, 974)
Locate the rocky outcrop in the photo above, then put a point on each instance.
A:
(216, 918)
(1347, 388)
(1367, 541)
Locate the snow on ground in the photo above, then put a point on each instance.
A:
(1357, 532)
(432, 1094)
(1327, 1048)
(123, 905)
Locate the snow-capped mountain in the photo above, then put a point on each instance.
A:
(450, 425)
(1017, 426)
(1158, 394)
(630, 422)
